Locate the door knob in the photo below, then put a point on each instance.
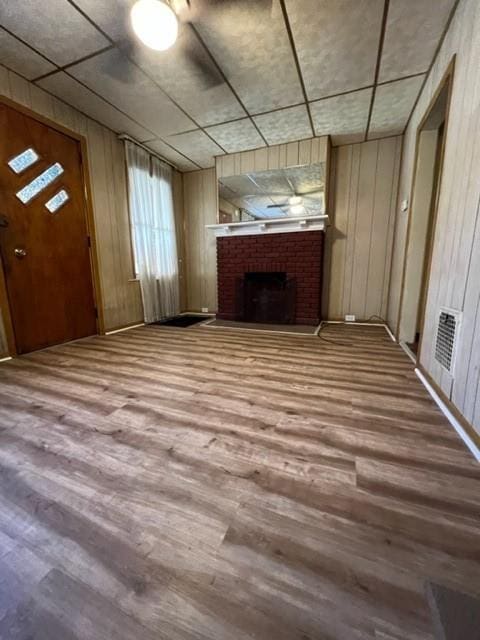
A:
(20, 253)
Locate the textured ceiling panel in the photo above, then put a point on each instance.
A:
(337, 43)
(251, 45)
(414, 28)
(209, 100)
(112, 16)
(285, 125)
(174, 70)
(392, 106)
(71, 91)
(343, 117)
(126, 86)
(17, 56)
(197, 146)
(160, 95)
(55, 28)
(170, 154)
(237, 136)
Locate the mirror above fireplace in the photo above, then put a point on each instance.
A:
(291, 192)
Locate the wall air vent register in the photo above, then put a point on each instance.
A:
(448, 327)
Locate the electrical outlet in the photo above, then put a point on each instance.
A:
(349, 318)
(204, 309)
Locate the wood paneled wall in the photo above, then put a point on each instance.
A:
(179, 211)
(454, 277)
(121, 296)
(200, 208)
(359, 240)
(362, 208)
(278, 156)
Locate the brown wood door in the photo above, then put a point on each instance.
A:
(45, 253)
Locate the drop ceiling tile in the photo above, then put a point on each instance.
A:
(185, 71)
(123, 84)
(112, 16)
(197, 146)
(286, 125)
(17, 56)
(343, 117)
(71, 91)
(189, 76)
(173, 156)
(337, 43)
(392, 106)
(55, 28)
(251, 45)
(414, 28)
(237, 136)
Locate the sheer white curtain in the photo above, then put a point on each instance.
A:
(153, 230)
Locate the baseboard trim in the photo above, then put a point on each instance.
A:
(360, 323)
(124, 328)
(458, 422)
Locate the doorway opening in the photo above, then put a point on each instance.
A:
(427, 176)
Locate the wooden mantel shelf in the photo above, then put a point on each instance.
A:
(273, 225)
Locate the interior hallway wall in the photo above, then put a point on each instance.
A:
(121, 296)
(454, 277)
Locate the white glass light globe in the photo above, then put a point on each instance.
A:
(154, 23)
(297, 210)
(295, 200)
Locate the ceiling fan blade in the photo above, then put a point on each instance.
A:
(195, 10)
(307, 193)
(115, 65)
(195, 55)
(278, 206)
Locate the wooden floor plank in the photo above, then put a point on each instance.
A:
(194, 484)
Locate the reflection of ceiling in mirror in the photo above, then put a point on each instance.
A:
(279, 193)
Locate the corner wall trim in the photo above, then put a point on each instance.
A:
(475, 450)
(409, 353)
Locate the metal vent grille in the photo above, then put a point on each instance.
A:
(447, 331)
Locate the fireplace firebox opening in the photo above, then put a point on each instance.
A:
(266, 297)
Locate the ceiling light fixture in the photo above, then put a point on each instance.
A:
(295, 200)
(297, 210)
(155, 24)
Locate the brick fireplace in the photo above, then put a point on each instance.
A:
(298, 255)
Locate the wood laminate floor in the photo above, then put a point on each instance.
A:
(195, 484)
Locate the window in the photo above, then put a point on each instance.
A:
(40, 183)
(153, 230)
(23, 160)
(58, 200)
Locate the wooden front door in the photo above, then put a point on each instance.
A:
(44, 241)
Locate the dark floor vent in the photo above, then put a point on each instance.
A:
(447, 333)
